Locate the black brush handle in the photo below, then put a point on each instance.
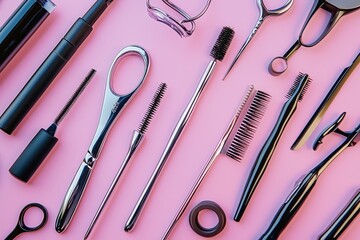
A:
(49, 69)
(264, 156)
(290, 207)
(343, 220)
(22, 24)
(33, 155)
(44, 76)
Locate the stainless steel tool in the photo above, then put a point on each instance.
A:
(112, 107)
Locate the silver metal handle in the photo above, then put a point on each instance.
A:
(73, 196)
(170, 145)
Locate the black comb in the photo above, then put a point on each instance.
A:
(302, 83)
(222, 44)
(152, 108)
(246, 130)
(295, 94)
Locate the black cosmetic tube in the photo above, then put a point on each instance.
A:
(49, 69)
(20, 26)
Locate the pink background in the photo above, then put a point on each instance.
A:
(180, 63)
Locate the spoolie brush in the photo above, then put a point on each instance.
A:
(238, 135)
(44, 141)
(152, 108)
(217, 53)
(135, 143)
(294, 95)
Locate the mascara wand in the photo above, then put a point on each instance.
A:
(44, 141)
(218, 53)
(135, 143)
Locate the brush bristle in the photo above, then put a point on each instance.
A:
(248, 126)
(222, 43)
(152, 108)
(301, 79)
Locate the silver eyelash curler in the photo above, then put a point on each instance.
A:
(183, 27)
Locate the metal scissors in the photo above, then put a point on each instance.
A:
(21, 226)
(112, 107)
(336, 8)
(264, 12)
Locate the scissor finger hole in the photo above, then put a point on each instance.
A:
(275, 5)
(127, 74)
(33, 217)
(278, 66)
(316, 28)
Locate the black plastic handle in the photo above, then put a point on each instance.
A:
(290, 207)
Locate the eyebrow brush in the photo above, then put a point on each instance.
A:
(234, 142)
(137, 138)
(217, 53)
(49, 69)
(294, 95)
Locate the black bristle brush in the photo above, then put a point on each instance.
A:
(44, 141)
(218, 53)
(234, 142)
(135, 142)
(294, 95)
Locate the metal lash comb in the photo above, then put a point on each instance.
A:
(183, 27)
(136, 140)
(234, 142)
(303, 189)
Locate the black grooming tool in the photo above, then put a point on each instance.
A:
(136, 140)
(21, 226)
(198, 228)
(294, 95)
(40, 146)
(302, 190)
(217, 53)
(21, 25)
(320, 111)
(234, 142)
(343, 220)
(49, 69)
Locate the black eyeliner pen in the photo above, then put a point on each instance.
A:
(49, 69)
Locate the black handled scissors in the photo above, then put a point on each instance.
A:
(21, 226)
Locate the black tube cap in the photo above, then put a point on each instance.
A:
(33, 155)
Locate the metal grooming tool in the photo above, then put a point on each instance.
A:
(345, 218)
(183, 27)
(234, 142)
(294, 95)
(264, 13)
(325, 104)
(337, 9)
(303, 189)
(137, 138)
(112, 107)
(218, 53)
(40, 146)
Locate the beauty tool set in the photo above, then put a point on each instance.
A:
(231, 169)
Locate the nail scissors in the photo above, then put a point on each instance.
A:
(21, 226)
(337, 9)
(264, 12)
(112, 107)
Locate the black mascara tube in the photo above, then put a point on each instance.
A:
(20, 26)
(49, 69)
